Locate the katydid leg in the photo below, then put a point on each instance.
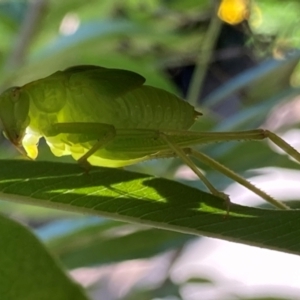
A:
(258, 134)
(234, 176)
(278, 141)
(108, 137)
(106, 131)
(181, 153)
(80, 127)
(194, 137)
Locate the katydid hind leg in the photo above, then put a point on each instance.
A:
(283, 145)
(251, 135)
(259, 134)
(182, 154)
(236, 177)
(247, 135)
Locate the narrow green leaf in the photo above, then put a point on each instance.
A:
(28, 272)
(147, 200)
(261, 82)
(87, 32)
(99, 243)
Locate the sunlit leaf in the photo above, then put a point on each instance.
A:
(142, 199)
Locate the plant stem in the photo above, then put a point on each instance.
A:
(203, 60)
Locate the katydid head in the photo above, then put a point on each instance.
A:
(14, 108)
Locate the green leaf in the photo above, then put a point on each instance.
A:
(87, 33)
(261, 82)
(99, 242)
(255, 115)
(28, 272)
(147, 200)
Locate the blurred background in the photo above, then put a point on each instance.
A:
(236, 61)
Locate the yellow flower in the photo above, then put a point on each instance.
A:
(234, 11)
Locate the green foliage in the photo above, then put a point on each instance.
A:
(146, 37)
(142, 199)
(22, 254)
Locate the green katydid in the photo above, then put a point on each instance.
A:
(108, 117)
